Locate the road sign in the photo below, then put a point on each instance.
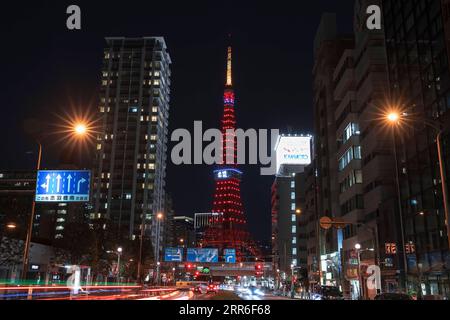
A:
(63, 186)
(339, 223)
(173, 255)
(229, 255)
(326, 223)
(202, 255)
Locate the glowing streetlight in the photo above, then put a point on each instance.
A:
(298, 211)
(159, 216)
(80, 129)
(393, 117)
(11, 226)
(357, 246)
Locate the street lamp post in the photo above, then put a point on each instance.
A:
(399, 204)
(159, 217)
(77, 129)
(358, 248)
(119, 252)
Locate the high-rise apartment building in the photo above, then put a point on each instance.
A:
(132, 141)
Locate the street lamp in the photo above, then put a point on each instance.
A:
(394, 119)
(358, 248)
(119, 252)
(159, 218)
(11, 226)
(80, 130)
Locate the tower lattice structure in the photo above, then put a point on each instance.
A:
(229, 230)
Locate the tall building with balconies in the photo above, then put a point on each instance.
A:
(130, 167)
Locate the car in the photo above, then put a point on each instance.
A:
(328, 293)
(201, 288)
(212, 288)
(392, 296)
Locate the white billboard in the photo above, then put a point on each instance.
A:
(294, 150)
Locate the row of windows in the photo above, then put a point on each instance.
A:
(351, 154)
(355, 177)
(357, 202)
(351, 130)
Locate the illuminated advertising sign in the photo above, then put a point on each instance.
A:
(293, 151)
(202, 255)
(173, 255)
(63, 186)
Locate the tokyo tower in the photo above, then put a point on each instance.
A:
(229, 231)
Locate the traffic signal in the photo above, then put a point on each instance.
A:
(259, 269)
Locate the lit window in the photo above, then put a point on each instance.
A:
(292, 184)
(294, 218)
(128, 196)
(351, 130)
(153, 137)
(157, 74)
(99, 146)
(294, 240)
(154, 109)
(294, 229)
(154, 118)
(292, 195)
(156, 82)
(293, 206)
(151, 166)
(59, 228)
(294, 251)
(349, 155)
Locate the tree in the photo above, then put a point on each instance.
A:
(79, 241)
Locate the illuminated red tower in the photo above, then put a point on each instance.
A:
(229, 230)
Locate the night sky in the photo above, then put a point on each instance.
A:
(47, 71)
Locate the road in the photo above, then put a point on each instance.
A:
(125, 293)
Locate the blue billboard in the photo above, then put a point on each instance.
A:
(229, 255)
(173, 255)
(202, 255)
(63, 186)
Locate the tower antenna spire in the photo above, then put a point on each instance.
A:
(229, 67)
